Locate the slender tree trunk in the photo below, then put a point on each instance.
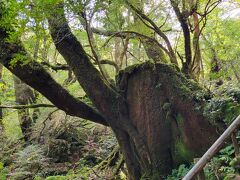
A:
(45, 49)
(117, 51)
(36, 49)
(120, 51)
(1, 111)
(215, 62)
(24, 95)
(36, 111)
(197, 64)
(183, 20)
(124, 52)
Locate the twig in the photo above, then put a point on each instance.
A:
(44, 124)
(26, 106)
(56, 67)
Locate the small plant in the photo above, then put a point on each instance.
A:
(3, 172)
(29, 162)
(179, 173)
(219, 167)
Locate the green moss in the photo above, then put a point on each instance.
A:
(56, 178)
(156, 176)
(130, 69)
(136, 67)
(182, 153)
(179, 119)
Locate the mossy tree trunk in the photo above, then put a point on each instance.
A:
(166, 111)
(24, 95)
(156, 113)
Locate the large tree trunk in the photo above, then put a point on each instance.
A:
(166, 110)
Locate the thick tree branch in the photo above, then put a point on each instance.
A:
(105, 61)
(33, 74)
(121, 34)
(88, 76)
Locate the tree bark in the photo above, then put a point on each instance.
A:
(24, 95)
(197, 64)
(182, 18)
(153, 51)
(162, 108)
(74, 54)
(1, 110)
(117, 51)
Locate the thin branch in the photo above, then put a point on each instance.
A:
(26, 106)
(165, 21)
(153, 26)
(96, 54)
(105, 61)
(134, 56)
(181, 58)
(136, 34)
(44, 124)
(57, 66)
